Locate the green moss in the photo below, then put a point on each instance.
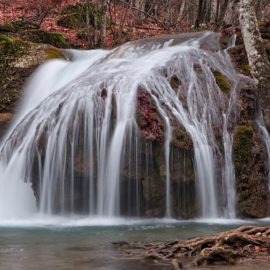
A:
(56, 39)
(139, 118)
(11, 48)
(53, 53)
(5, 38)
(242, 145)
(221, 81)
(245, 67)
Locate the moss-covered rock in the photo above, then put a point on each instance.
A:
(5, 38)
(54, 53)
(18, 59)
(28, 31)
(242, 145)
(251, 173)
(221, 81)
(56, 39)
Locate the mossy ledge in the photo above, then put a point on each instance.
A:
(54, 53)
(221, 81)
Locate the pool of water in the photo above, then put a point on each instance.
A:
(78, 243)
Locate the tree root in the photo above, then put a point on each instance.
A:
(224, 248)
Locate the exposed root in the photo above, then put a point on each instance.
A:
(224, 248)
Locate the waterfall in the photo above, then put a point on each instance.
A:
(77, 144)
(266, 139)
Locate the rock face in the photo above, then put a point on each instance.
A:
(250, 159)
(142, 180)
(251, 173)
(18, 60)
(249, 153)
(183, 189)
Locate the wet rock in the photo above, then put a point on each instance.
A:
(221, 81)
(249, 157)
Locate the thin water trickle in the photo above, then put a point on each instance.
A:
(71, 136)
(266, 139)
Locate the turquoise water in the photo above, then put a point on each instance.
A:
(77, 244)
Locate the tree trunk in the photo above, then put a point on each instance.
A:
(257, 57)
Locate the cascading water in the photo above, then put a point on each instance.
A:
(77, 133)
(266, 139)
